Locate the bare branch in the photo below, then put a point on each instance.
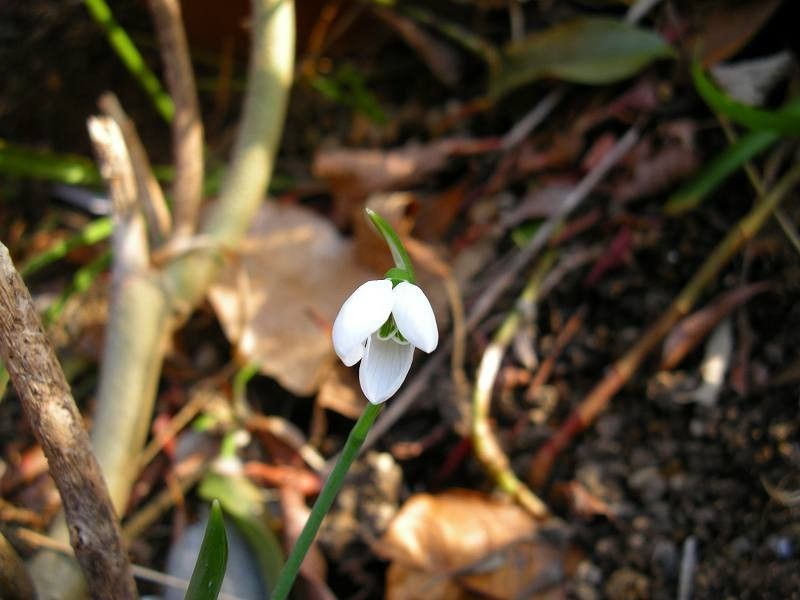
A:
(149, 195)
(130, 237)
(187, 127)
(48, 404)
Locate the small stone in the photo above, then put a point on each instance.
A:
(664, 559)
(781, 546)
(627, 584)
(740, 547)
(648, 483)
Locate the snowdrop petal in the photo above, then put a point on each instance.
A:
(384, 368)
(414, 316)
(361, 315)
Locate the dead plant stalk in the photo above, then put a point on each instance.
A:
(50, 409)
(187, 127)
(484, 443)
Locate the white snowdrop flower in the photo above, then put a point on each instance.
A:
(380, 325)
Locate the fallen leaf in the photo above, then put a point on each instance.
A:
(728, 27)
(276, 303)
(584, 50)
(461, 543)
(658, 170)
(355, 173)
(691, 330)
(615, 255)
(340, 392)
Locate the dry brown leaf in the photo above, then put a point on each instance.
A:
(459, 543)
(355, 173)
(728, 27)
(693, 329)
(340, 392)
(277, 302)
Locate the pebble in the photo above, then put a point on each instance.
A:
(627, 584)
(648, 483)
(665, 558)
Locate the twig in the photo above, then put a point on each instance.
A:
(516, 261)
(14, 579)
(129, 234)
(429, 260)
(163, 501)
(48, 404)
(197, 402)
(639, 9)
(563, 338)
(289, 434)
(149, 195)
(484, 442)
(622, 370)
(533, 119)
(187, 127)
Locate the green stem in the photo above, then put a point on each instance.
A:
(357, 436)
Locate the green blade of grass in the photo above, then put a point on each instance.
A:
(209, 570)
(126, 50)
(785, 120)
(63, 168)
(83, 278)
(96, 231)
(690, 195)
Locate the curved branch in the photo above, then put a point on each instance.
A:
(50, 409)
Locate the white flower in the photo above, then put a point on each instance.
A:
(380, 325)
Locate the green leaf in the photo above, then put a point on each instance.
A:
(243, 503)
(691, 194)
(585, 50)
(209, 571)
(785, 120)
(399, 254)
(96, 231)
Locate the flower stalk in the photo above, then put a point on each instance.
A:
(324, 501)
(380, 325)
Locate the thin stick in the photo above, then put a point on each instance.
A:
(187, 127)
(324, 501)
(622, 370)
(149, 195)
(484, 443)
(50, 409)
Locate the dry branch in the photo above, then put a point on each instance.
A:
(150, 197)
(49, 407)
(187, 127)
